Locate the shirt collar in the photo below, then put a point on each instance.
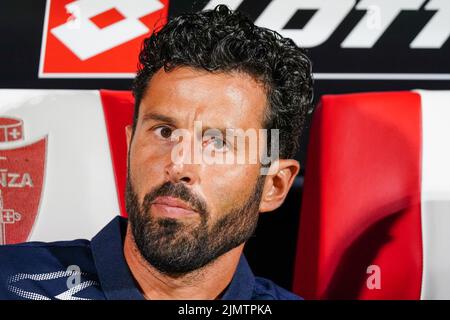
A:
(117, 281)
(113, 272)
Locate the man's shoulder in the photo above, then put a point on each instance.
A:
(266, 289)
(41, 253)
(39, 244)
(41, 269)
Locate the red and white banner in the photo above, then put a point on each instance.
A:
(62, 162)
(375, 220)
(97, 38)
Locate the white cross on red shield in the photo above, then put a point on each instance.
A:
(21, 180)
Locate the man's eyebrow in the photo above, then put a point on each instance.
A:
(158, 117)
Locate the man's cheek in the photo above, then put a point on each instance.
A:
(223, 201)
(146, 167)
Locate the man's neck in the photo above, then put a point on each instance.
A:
(207, 283)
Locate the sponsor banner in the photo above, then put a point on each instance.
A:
(371, 39)
(96, 38)
(402, 39)
(398, 40)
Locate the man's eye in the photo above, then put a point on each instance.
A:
(218, 144)
(164, 131)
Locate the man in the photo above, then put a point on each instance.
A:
(188, 219)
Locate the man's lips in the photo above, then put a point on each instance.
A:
(172, 202)
(172, 207)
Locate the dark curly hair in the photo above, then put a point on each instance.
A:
(221, 40)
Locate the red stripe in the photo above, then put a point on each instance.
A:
(361, 200)
(118, 110)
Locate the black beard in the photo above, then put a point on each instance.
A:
(174, 247)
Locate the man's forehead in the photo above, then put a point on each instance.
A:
(233, 100)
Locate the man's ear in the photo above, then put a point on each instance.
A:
(277, 185)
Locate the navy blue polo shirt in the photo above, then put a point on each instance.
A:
(96, 269)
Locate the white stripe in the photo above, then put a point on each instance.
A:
(69, 294)
(66, 295)
(81, 75)
(435, 194)
(79, 193)
(44, 38)
(27, 294)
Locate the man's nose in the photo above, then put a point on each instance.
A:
(180, 167)
(180, 172)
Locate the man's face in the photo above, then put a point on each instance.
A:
(184, 215)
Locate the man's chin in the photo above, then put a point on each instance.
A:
(173, 249)
(179, 230)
